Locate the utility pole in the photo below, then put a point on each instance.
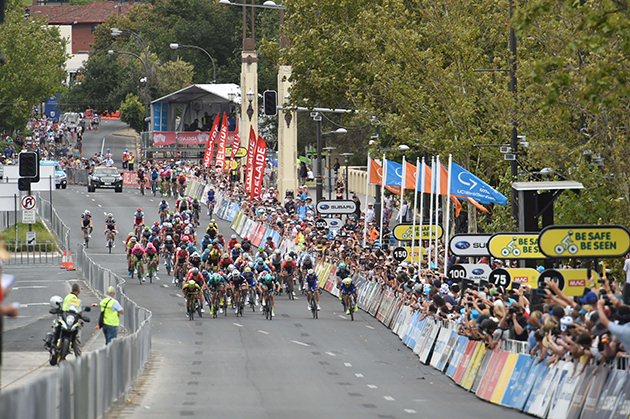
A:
(514, 133)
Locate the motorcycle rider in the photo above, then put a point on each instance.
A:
(72, 299)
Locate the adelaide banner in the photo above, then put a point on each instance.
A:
(259, 168)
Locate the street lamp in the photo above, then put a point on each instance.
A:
(317, 117)
(328, 151)
(214, 68)
(250, 98)
(346, 158)
(146, 76)
(266, 5)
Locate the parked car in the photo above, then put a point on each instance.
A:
(105, 177)
(61, 179)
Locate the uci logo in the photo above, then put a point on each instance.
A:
(323, 207)
(477, 271)
(462, 245)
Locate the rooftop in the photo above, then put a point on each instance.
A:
(95, 12)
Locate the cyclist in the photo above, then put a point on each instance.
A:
(272, 286)
(163, 210)
(181, 183)
(195, 275)
(192, 290)
(233, 242)
(342, 273)
(215, 256)
(168, 248)
(195, 208)
(181, 258)
(261, 266)
(154, 178)
(276, 260)
(137, 252)
(236, 252)
(250, 278)
(86, 225)
(151, 257)
(306, 263)
(131, 242)
(238, 284)
(213, 229)
(195, 258)
(288, 267)
(225, 262)
(138, 219)
(246, 245)
(146, 235)
(312, 284)
(182, 204)
(206, 241)
(221, 240)
(217, 286)
(348, 289)
(269, 245)
(141, 179)
(110, 229)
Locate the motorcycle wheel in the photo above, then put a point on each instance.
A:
(53, 357)
(65, 349)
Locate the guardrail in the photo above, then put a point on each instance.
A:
(87, 386)
(54, 223)
(37, 252)
(77, 176)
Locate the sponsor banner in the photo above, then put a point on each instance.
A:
(474, 271)
(219, 161)
(507, 277)
(428, 343)
(332, 223)
(612, 394)
(260, 155)
(412, 323)
(487, 389)
(536, 373)
(465, 361)
(481, 373)
(446, 354)
(579, 395)
(164, 138)
(515, 246)
(453, 364)
(440, 345)
(404, 232)
(517, 380)
(564, 393)
(596, 241)
(473, 366)
(504, 378)
(595, 391)
(336, 207)
(483, 384)
(541, 399)
(470, 245)
(416, 334)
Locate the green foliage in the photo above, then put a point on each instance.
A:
(132, 112)
(4, 144)
(174, 75)
(34, 67)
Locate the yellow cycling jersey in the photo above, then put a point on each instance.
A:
(191, 289)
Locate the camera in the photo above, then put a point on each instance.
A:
(513, 310)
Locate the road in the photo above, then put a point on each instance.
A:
(290, 367)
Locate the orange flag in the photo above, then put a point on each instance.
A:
(376, 177)
(478, 205)
(410, 176)
(458, 205)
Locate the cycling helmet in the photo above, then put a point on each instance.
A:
(260, 260)
(164, 202)
(87, 212)
(185, 239)
(233, 236)
(195, 255)
(268, 277)
(220, 236)
(139, 210)
(187, 231)
(235, 272)
(230, 267)
(289, 259)
(307, 256)
(150, 246)
(342, 266)
(261, 249)
(311, 272)
(195, 199)
(191, 282)
(56, 301)
(146, 228)
(238, 246)
(156, 224)
(169, 238)
(137, 246)
(195, 270)
(277, 251)
(110, 215)
(347, 281)
(212, 221)
(248, 269)
(215, 241)
(133, 239)
(131, 234)
(207, 236)
(270, 238)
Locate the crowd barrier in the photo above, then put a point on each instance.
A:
(507, 376)
(87, 386)
(77, 176)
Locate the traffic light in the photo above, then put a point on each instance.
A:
(29, 164)
(270, 101)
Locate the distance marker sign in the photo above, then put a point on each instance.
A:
(515, 246)
(596, 241)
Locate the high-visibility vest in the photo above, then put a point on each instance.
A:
(71, 300)
(110, 318)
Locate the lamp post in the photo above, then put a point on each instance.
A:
(328, 152)
(146, 77)
(214, 68)
(347, 158)
(377, 198)
(250, 98)
(317, 117)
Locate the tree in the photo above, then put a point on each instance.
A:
(34, 67)
(174, 75)
(132, 112)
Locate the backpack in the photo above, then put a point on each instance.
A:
(101, 317)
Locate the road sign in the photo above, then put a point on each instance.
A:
(470, 245)
(474, 271)
(457, 272)
(506, 277)
(336, 207)
(31, 237)
(500, 277)
(597, 241)
(515, 246)
(415, 255)
(241, 152)
(29, 216)
(28, 202)
(403, 232)
(400, 254)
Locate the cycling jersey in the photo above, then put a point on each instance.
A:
(181, 256)
(154, 175)
(197, 278)
(236, 279)
(343, 273)
(352, 289)
(312, 282)
(86, 220)
(191, 289)
(226, 261)
(250, 278)
(196, 262)
(232, 243)
(261, 267)
(288, 266)
(236, 253)
(181, 179)
(137, 253)
(110, 224)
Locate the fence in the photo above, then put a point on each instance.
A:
(86, 387)
(36, 252)
(507, 376)
(77, 176)
(54, 223)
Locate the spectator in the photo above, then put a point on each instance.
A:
(621, 328)
(369, 214)
(303, 173)
(626, 268)
(111, 319)
(336, 167)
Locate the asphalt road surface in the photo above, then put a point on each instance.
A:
(292, 366)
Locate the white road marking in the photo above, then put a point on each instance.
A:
(410, 411)
(100, 206)
(164, 286)
(300, 343)
(372, 386)
(263, 332)
(343, 317)
(359, 375)
(369, 327)
(29, 287)
(239, 325)
(347, 364)
(34, 304)
(330, 353)
(104, 213)
(102, 145)
(151, 200)
(389, 398)
(93, 200)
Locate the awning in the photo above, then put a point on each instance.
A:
(547, 185)
(213, 93)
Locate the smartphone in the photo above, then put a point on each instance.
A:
(541, 291)
(515, 286)
(588, 272)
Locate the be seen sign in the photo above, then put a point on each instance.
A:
(584, 241)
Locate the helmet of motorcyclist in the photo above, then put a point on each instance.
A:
(56, 301)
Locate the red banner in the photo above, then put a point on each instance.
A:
(161, 138)
(260, 155)
(164, 138)
(207, 157)
(250, 158)
(220, 159)
(236, 143)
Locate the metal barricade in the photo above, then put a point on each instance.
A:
(37, 252)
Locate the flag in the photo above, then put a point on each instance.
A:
(236, 144)
(376, 177)
(410, 176)
(251, 147)
(220, 159)
(394, 173)
(427, 179)
(207, 156)
(260, 156)
(478, 205)
(458, 205)
(464, 183)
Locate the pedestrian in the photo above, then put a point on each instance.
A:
(131, 161)
(112, 310)
(303, 173)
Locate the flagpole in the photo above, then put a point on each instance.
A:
(383, 182)
(431, 210)
(448, 212)
(413, 224)
(402, 189)
(438, 187)
(422, 191)
(367, 190)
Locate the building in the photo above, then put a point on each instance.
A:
(77, 24)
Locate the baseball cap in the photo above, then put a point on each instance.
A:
(589, 298)
(557, 311)
(564, 322)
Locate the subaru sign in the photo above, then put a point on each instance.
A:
(469, 245)
(336, 207)
(476, 272)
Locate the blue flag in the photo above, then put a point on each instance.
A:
(464, 183)
(394, 173)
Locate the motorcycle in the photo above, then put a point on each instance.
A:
(65, 328)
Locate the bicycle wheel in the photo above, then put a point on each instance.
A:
(191, 312)
(351, 307)
(313, 305)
